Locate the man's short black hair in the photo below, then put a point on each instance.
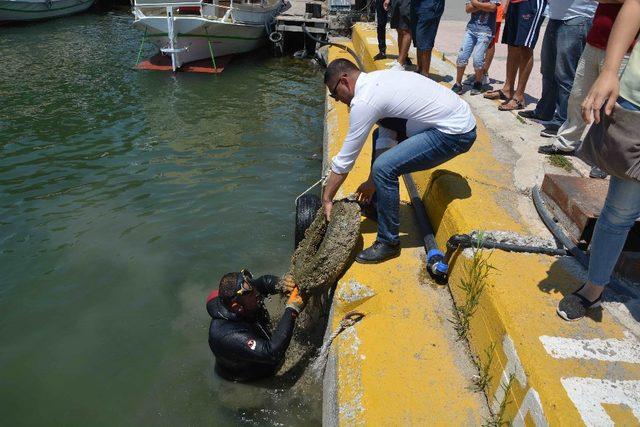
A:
(338, 67)
(228, 288)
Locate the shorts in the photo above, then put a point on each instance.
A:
(496, 36)
(424, 32)
(522, 23)
(400, 14)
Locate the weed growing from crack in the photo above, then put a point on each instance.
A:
(472, 286)
(497, 418)
(521, 120)
(482, 380)
(560, 161)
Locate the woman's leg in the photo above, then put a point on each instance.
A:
(620, 211)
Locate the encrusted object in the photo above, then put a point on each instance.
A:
(327, 247)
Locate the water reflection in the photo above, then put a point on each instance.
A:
(124, 196)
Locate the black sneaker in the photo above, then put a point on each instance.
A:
(378, 252)
(457, 88)
(552, 149)
(597, 173)
(530, 114)
(379, 56)
(477, 88)
(550, 131)
(575, 306)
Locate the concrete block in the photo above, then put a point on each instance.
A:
(576, 202)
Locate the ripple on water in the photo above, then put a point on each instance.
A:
(124, 195)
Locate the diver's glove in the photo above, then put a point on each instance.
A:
(296, 301)
(287, 285)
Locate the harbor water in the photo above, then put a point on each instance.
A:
(124, 196)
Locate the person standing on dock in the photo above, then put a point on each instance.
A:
(381, 30)
(400, 20)
(443, 127)
(425, 19)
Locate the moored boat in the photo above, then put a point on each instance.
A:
(189, 30)
(32, 10)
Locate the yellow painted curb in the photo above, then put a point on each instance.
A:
(540, 369)
(400, 365)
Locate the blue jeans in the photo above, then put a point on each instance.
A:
(620, 211)
(481, 42)
(562, 47)
(419, 152)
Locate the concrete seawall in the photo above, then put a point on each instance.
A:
(404, 363)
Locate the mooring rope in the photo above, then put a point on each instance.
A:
(320, 363)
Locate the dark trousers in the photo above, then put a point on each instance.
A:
(561, 50)
(381, 19)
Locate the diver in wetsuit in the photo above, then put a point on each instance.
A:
(239, 334)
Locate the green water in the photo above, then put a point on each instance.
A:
(124, 196)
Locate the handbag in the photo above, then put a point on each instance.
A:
(613, 145)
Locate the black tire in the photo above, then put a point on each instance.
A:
(306, 208)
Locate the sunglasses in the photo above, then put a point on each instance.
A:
(244, 282)
(333, 92)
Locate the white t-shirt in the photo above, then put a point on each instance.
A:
(569, 9)
(400, 94)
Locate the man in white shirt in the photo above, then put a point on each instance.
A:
(440, 126)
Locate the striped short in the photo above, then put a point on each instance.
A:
(522, 23)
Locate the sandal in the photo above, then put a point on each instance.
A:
(496, 94)
(508, 106)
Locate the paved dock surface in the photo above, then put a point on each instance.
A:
(403, 365)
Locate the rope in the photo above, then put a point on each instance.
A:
(309, 189)
(141, 45)
(320, 363)
(213, 59)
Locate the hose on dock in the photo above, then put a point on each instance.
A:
(328, 43)
(436, 266)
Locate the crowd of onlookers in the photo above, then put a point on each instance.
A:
(590, 66)
(573, 52)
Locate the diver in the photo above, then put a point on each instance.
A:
(239, 335)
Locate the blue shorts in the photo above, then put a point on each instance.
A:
(522, 23)
(425, 18)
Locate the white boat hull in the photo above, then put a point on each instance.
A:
(25, 10)
(200, 37)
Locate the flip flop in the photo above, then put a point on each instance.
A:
(505, 107)
(497, 94)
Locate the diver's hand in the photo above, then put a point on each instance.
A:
(288, 285)
(327, 205)
(365, 191)
(296, 300)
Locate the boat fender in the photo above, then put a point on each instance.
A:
(275, 37)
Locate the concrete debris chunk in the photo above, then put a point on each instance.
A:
(327, 247)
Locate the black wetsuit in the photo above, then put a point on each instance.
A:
(244, 348)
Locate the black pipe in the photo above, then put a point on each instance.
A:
(466, 241)
(435, 265)
(325, 43)
(556, 231)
